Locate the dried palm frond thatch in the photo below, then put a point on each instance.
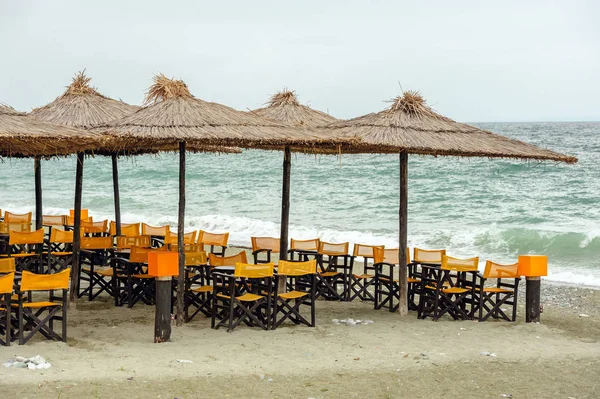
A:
(173, 114)
(284, 107)
(24, 136)
(82, 106)
(410, 125)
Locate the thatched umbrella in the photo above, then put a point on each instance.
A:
(174, 117)
(24, 136)
(284, 107)
(82, 106)
(409, 126)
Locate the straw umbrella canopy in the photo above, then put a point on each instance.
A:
(174, 117)
(24, 136)
(410, 126)
(284, 107)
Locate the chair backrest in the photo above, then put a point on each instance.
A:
(188, 238)
(127, 229)
(459, 265)
(218, 239)
(124, 242)
(94, 227)
(329, 248)
(216, 260)
(139, 254)
(6, 283)
(45, 282)
(61, 236)
(306, 245)
(186, 248)
(34, 237)
(271, 243)
(156, 231)
(288, 268)
(96, 242)
(8, 227)
(364, 250)
(497, 270)
(54, 220)
(7, 265)
(16, 217)
(428, 255)
(71, 220)
(246, 270)
(195, 258)
(389, 255)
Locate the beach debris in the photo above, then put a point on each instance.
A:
(36, 362)
(490, 354)
(506, 395)
(269, 380)
(262, 377)
(351, 322)
(184, 361)
(584, 315)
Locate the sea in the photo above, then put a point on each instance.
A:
(492, 208)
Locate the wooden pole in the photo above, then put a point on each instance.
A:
(285, 210)
(402, 239)
(180, 244)
(162, 315)
(76, 235)
(38, 192)
(532, 299)
(115, 170)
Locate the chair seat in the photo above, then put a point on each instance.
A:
(293, 295)
(22, 255)
(414, 280)
(41, 304)
(243, 298)
(60, 253)
(497, 290)
(204, 288)
(142, 276)
(103, 272)
(363, 276)
(329, 274)
(455, 290)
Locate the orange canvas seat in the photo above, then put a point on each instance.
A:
(304, 249)
(216, 241)
(94, 228)
(492, 299)
(126, 242)
(264, 245)
(40, 316)
(6, 290)
(127, 229)
(244, 296)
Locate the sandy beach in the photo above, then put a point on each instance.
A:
(110, 354)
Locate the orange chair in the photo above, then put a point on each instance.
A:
(188, 239)
(446, 289)
(131, 281)
(232, 260)
(304, 249)
(266, 245)
(60, 252)
(127, 229)
(7, 265)
(27, 248)
(95, 254)
(158, 234)
(6, 290)
(333, 273)
(214, 240)
(245, 296)
(17, 218)
(31, 313)
(387, 279)
(504, 293)
(361, 282)
(126, 242)
(198, 288)
(301, 277)
(99, 228)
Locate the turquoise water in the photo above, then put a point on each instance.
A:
(495, 209)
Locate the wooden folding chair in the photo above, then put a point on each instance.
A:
(6, 290)
(304, 249)
(490, 300)
(95, 255)
(246, 296)
(26, 248)
(300, 276)
(214, 240)
(59, 254)
(158, 234)
(39, 316)
(361, 282)
(131, 281)
(266, 246)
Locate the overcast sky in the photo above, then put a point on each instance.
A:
(472, 60)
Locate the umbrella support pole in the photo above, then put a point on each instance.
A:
(180, 241)
(115, 171)
(402, 239)
(162, 316)
(76, 228)
(38, 192)
(285, 211)
(532, 299)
